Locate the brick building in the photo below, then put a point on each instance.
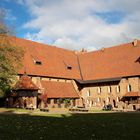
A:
(91, 79)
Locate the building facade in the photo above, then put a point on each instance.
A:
(86, 79)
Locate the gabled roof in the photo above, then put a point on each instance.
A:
(113, 62)
(45, 60)
(54, 89)
(108, 63)
(25, 83)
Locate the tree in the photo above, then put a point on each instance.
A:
(10, 58)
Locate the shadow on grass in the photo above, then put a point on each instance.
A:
(97, 126)
(14, 111)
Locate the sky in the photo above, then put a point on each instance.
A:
(74, 24)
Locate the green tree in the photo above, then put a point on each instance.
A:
(10, 58)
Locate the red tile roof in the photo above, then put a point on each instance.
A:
(54, 61)
(118, 61)
(54, 89)
(25, 83)
(132, 94)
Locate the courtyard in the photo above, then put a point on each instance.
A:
(21, 125)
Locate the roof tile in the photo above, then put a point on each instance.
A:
(54, 89)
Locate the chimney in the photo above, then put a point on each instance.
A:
(83, 50)
(102, 49)
(135, 42)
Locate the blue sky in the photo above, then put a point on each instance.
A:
(90, 24)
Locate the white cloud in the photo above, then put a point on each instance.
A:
(75, 24)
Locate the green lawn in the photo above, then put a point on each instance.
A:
(97, 126)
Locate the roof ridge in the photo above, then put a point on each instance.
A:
(111, 47)
(44, 44)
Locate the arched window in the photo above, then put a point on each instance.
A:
(129, 88)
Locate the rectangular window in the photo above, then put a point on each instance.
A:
(99, 90)
(37, 61)
(109, 89)
(55, 101)
(88, 93)
(69, 67)
(129, 88)
(48, 101)
(118, 89)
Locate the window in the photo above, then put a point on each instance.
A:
(55, 101)
(118, 99)
(48, 101)
(107, 99)
(37, 62)
(99, 99)
(99, 90)
(88, 93)
(69, 67)
(129, 88)
(118, 89)
(109, 89)
(90, 103)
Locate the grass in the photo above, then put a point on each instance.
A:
(97, 126)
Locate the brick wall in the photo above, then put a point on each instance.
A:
(110, 93)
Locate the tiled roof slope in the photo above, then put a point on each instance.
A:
(55, 89)
(132, 94)
(118, 61)
(25, 83)
(54, 61)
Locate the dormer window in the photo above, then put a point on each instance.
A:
(37, 62)
(69, 67)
